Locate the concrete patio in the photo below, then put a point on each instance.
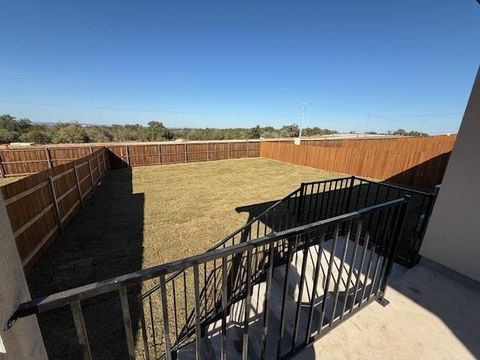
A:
(433, 314)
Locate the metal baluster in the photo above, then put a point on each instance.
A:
(367, 194)
(315, 207)
(247, 305)
(329, 275)
(300, 291)
(309, 217)
(376, 194)
(205, 288)
(271, 259)
(185, 296)
(223, 350)
(372, 253)
(340, 272)
(127, 322)
(359, 190)
(81, 330)
(382, 244)
(175, 307)
(144, 327)
(400, 222)
(166, 327)
(362, 263)
(328, 193)
(198, 329)
(284, 299)
(314, 288)
(358, 231)
(154, 335)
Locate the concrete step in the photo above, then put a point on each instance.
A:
(337, 275)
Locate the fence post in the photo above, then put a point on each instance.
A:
(207, 152)
(55, 203)
(78, 184)
(128, 155)
(247, 148)
(2, 171)
(185, 150)
(160, 154)
(98, 166)
(229, 147)
(104, 154)
(91, 174)
(49, 160)
(91, 150)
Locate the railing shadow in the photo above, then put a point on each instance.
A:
(103, 241)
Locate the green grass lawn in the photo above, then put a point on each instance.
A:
(146, 216)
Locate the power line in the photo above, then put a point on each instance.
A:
(416, 116)
(153, 111)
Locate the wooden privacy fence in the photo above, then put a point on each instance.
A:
(41, 205)
(28, 161)
(412, 161)
(175, 153)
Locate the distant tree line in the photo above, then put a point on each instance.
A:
(23, 130)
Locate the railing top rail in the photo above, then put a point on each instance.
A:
(397, 187)
(327, 180)
(255, 218)
(94, 289)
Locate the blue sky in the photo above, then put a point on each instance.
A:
(358, 65)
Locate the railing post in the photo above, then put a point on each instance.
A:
(301, 204)
(349, 195)
(431, 203)
(390, 258)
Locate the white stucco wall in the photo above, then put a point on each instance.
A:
(453, 235)
(23, 340)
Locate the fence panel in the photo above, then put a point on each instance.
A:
(16, 162)
(41, 205)
(411, 161)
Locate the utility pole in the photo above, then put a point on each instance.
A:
(302, 121)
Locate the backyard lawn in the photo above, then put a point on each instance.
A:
(144, 216)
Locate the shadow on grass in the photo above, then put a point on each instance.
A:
(104, 240)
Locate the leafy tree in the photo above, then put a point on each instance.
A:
(255, 132)
(157, 131)
(37, 135)
(289, 130)
(99, 134)
(69, 133)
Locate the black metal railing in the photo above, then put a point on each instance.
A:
(360, 249)
(310, 202)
